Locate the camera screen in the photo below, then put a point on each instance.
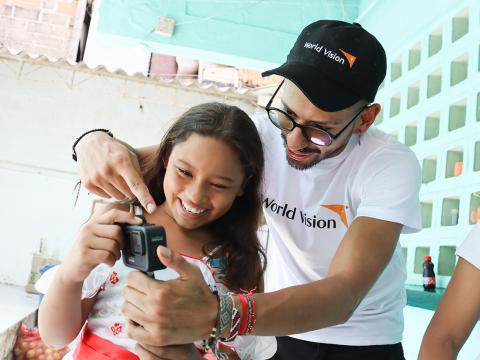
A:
(136, 245)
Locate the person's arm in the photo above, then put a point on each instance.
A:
(63, 312)
(109, 167)
(363, 254)
(184, 310)
(456, 315)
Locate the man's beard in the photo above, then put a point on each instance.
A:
(297, 165)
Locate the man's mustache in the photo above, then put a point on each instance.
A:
(305, 150)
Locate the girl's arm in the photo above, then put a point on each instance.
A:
(456, 315)
(62, 313)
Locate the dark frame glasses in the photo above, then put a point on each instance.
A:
(314, 134)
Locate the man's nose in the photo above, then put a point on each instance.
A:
(296, 140)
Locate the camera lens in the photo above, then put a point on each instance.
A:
(136, 245)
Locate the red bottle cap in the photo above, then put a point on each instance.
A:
(428, 258)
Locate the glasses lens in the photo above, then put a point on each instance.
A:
(318, 137)
(280, 119)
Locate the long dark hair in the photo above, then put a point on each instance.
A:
(236, 231)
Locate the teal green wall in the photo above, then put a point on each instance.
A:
(243, 33)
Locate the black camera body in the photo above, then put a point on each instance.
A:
(141, 242)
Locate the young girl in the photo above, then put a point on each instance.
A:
(206, 175)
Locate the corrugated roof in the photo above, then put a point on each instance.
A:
(81, 66)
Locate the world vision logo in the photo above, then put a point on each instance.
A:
(340, 210)
(350, 58)
(321, 49)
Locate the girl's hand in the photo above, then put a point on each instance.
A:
(172, 352)
(99, 241)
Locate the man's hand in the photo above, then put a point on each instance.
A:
(177, 311)
(109, 168)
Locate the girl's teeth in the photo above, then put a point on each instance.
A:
(192, 210)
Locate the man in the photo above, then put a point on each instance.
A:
(337, 196)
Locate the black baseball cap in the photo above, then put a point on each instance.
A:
(335, 64)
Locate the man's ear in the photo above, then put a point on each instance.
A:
(367, 118)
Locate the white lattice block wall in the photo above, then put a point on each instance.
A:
(430, 101)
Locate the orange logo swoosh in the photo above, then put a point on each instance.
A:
(340, 210)
(350, 58)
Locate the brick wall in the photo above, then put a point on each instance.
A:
(42, 27)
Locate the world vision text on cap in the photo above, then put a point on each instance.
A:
(332, 55)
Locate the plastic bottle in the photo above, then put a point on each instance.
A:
(428, 275)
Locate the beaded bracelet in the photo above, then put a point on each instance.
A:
(211, 342)
(254, 314)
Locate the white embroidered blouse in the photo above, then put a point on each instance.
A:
(107, 321)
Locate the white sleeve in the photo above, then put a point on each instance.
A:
(470, 248)
(91, 285)
(254, 347)
(390, 183)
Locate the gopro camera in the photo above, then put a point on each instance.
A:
(141, 242)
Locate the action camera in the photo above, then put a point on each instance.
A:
(141, 242)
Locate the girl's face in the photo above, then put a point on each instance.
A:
(202, 179)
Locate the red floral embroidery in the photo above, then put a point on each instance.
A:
(116, 329)
(113, 278)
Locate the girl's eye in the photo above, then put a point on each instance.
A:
(219, 186)
(184, 172)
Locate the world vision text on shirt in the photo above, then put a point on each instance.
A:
(309, 221)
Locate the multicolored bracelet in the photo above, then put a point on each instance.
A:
(225, 309)
(253, 314)
(229, 316)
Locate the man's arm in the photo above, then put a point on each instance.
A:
(184, 310)
(110, 168)
(456, 315)
(361, 257)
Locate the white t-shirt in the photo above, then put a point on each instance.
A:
(470, 248)
(309, 211)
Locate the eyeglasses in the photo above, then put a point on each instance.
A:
(314, 134)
